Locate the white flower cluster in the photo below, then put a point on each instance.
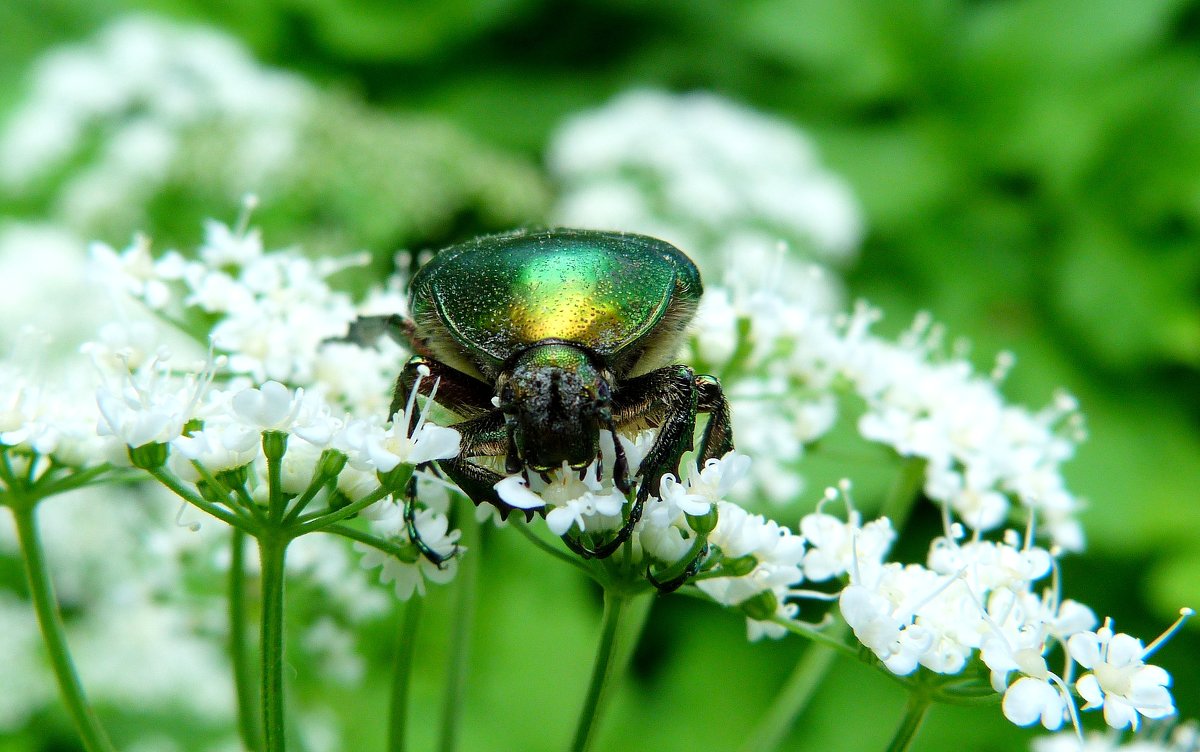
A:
(50, 419)
(432, 525)
(157, 404)
(138, 89)
(276, 317)
(767, 555)
(713, 177)
(982, 596)
(1183, 738)
(785, 366)
(271, 314)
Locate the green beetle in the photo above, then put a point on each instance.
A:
(542, 340)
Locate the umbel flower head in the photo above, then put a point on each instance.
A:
(261, 423)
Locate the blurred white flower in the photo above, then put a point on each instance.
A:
(124, 101)
(715, 178)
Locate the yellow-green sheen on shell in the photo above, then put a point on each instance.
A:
(603, 290)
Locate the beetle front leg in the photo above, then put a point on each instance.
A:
(410, 523)
(668, 397)
(718, 434)
(486, 436)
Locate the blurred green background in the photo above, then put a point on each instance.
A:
(1029, 172)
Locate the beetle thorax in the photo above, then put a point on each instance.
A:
(556, 402)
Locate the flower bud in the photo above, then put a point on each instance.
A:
(274, 445)
(760, 607)
(330, 465)
(705, 523)
(739, 567)
(149, 456)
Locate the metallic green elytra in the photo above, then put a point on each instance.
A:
(618, 294)
(541, 341)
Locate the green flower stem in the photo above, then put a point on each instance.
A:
(272, 548)
(76, 479)
(274, 447)
(741, 352)
(816, 634)
(406, 643)
(457, 671)
(230, 518)
(373, 541)
(524, 529)
(678, 568)
(905, 491)
(914, 714)
(325, 519)
(623, 618)
(49, 618)
(304, 499)
(791, 699)
(812, 668)
(247, 711)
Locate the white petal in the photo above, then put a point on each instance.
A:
(514, 491)
(1119, 714)
(1089, 690)
(1029, 700)
(1124, 650)
(1085, 648)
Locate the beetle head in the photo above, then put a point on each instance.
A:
(555, 401)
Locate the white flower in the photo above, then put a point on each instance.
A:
(132, 270)
(151, 406)
(1031, 699)
(513, 490)
(409, 576)
(885, 629)
(218, 447)
(1038, 694)
(1119, 680)
(384, 449)
(589, 511)
(270, 407)
(704, 488)
(224, 247)
(834, 546)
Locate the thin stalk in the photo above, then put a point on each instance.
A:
(603, 671)
(406, 643)
(903, 494)
(236, 519)
(454, 699)
(41, 589)
(272, 548)
(524, 529)
(791, 699)
(239, 653)
(319, 520)
(914, 714)
(374, 541)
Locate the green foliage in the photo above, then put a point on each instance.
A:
(361, 178)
